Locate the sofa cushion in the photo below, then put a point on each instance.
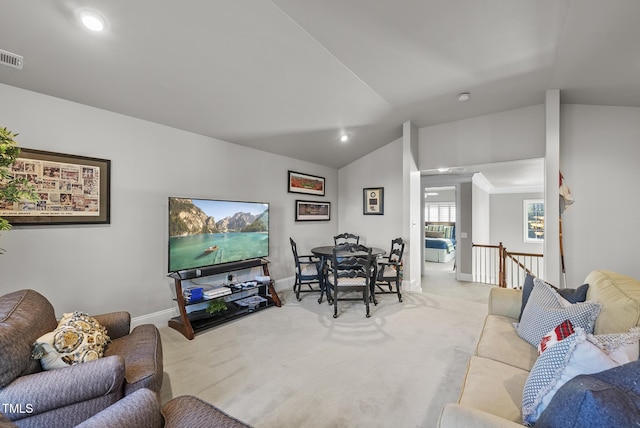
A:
(620, 298)
(546, 309)
(499, 341)
(77, 339)
(607, 399)
(494, 387)
(573, 295)
(24, 316)
(578, 354)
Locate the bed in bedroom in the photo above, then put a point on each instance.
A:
(440, 242)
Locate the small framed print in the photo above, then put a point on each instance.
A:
(313, 210)
(305, 183)
(373, 201)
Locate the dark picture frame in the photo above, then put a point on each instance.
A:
(313, 210)
(71, 189)
(306, 183)
(373, 201)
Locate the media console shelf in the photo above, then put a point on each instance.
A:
(190, 323)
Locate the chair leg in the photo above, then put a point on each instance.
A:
(335, 302)
(398, 287)
(366, 300)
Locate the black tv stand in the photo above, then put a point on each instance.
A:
(190, 323)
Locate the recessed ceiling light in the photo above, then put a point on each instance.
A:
(93, 20)
(443, 169)
(464, 96)
(344, 138)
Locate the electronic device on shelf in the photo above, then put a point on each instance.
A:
(210, 232)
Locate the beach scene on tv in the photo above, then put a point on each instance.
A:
(206, 232)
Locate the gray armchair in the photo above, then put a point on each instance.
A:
(141, 410)
(65, 397)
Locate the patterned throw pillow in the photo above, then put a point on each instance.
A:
(580, 353)
(77, 339)
(573, 295)
(562, 331)
(546, 309)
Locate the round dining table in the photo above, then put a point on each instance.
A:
(325, 252)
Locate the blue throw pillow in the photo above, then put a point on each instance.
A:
(607, 399)
(573, 295)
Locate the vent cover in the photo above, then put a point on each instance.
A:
(11, 59)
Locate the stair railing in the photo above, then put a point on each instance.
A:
(493, 264)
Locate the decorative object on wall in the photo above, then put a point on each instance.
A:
(305, 183)
(313, 210)
(71, 189)
(373, 201)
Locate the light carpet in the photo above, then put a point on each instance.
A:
(297, 366)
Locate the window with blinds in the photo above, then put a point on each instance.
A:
(440, 211)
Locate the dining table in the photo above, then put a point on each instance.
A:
(325, 253)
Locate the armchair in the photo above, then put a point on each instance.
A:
(308, 271)
(68, 396)
(389, 268)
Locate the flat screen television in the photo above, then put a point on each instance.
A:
(207, 232)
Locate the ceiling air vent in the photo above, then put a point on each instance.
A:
(11, 59)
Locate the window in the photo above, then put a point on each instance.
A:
(440, 211)
(533, 220)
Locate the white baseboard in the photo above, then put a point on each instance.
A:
(159, 319)
(468, 277)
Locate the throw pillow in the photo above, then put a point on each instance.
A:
(546, 309)
(573, 295)
(562, 331)
(77, 339)
(580, 353)
(607, 399)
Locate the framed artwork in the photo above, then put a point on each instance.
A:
(313, 210)
(373, 201)
(305, 183)
(71, 189)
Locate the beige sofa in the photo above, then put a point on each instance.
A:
(492, 392)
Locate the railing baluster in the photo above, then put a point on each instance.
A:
(493, 264)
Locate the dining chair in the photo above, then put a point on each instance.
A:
(351, 270)
(346, 238)
(307, 271)
(390, 269)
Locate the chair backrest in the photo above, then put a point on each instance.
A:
(352, 261)
(294, 249)
(397, 249)
(346, 238)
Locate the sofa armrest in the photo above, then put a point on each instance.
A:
(505, 301)
(141, 409)
(458, 416)
(118, 324)
(54, 389)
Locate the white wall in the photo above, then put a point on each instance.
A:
(507, 222)
(382, 168)
(122, 266)
(599, 155)
(510, 135)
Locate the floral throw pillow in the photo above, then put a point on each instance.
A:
(77, 339)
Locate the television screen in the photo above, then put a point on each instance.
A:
(206, 232)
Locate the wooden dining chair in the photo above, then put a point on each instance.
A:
(307, 272)
(346, 238)
(389, 270)
(351, 270)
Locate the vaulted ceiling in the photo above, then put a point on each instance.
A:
(288, 76)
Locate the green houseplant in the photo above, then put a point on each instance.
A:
(215, 306)
(12, 189)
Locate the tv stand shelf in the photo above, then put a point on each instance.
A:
(190, 323)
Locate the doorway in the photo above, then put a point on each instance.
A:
(439, 251)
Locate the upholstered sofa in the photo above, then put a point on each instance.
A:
(496, 375)
(32, 397)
